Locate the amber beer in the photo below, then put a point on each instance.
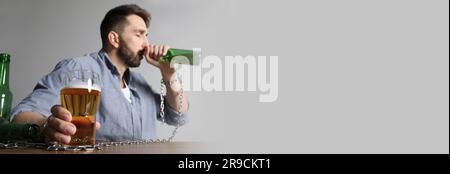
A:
(80, 95)
(83, 105)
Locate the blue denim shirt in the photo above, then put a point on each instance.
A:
(119, 119)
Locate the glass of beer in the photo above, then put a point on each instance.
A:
(80, 95)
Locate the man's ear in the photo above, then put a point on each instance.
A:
(113, 39)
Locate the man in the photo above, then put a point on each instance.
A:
(129, 108)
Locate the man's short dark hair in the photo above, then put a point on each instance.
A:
(115, 20)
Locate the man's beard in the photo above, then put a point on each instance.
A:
(129, 58)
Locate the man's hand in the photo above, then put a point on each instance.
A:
(58, 126)
(155, 52)
(152, 54)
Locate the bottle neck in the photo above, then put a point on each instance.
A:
(20, 132)
(4, 74)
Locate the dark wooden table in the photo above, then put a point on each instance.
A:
(155, 148)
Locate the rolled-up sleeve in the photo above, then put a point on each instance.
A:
(171, 116)
(46, 92)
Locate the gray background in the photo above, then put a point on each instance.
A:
(354, 76)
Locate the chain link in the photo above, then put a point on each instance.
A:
(24, 144)
(161, 95)
(60, 147)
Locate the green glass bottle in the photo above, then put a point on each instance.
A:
(10, 131)
(188, 57)
(19, 132)
(5, 93)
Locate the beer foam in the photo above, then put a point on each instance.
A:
(81, 84)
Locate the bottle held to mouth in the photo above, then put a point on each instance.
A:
(182, 56)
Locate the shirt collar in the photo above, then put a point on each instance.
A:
(105, 58)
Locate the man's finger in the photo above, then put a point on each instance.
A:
(161, 51)
(61, 112)
(97, 125)
(53, 135)
(146, 51)
(150, 51)
(166, 48)
(152, 61)
(61, 126)
(155, 52)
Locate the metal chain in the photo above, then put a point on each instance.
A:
(179, 106)
(102, 145)
(24, 144)
(161, 95)
(61, 147)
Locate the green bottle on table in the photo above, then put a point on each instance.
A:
(10, 131)
(188, 57)
(5, 93)
(19, 132)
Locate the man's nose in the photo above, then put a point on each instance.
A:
(145, 44)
